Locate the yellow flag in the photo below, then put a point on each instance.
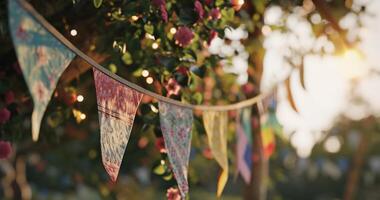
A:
(216, 125)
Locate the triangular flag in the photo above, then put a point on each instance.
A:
(216, 125)
(117, 106)
(244, 144)
(267, 134)
(41, 56)
(176, 124)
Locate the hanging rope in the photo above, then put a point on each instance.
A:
(93, 63)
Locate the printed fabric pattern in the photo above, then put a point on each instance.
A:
(176, 125)
(42, 59)
(117, 106)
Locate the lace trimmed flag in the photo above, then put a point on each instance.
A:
(41, 56)
(117, 106)
(244, 144)
(176, 124)
(216, 124)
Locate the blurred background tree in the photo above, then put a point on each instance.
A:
(199, 52)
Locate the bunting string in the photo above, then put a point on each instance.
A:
(43, 56)
(74, 49)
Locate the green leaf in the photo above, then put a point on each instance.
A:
(55, 119)
(219, 3)
(159, 170)
(198, 97)
(137, 73)
(187, 15)
(260, 6)
(113, 68)
(169, 62)
(127, 58)
(168, 177)
(149, 28)
(97, 3)
(228, 14)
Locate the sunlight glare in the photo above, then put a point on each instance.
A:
(353, 66)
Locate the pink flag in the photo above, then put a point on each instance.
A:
(117, 106)
(244, 144)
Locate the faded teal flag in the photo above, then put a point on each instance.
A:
(41, 56)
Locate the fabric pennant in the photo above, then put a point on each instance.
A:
(176, 125)
(244, 144)
(216, 125)
(41, 56)
(267, 134)
(117, 106)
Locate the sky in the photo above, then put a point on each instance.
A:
(336, 85)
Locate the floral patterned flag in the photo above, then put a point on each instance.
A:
(41, 56)
(176, 123)
(216, 124)
(117, 106)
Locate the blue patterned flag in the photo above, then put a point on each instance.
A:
(176, 123)
(41, 56)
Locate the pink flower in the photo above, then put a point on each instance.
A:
(164, 13)
(215, 14)
(199, 9)
(237, 4)
(161, 4)
(183, 36)
(70, 98)
(209, 2)
(248, 88)
(158, 3)
(173, 194)
(160, 144)
(5, 149)
(9, 97)
(207, 153)
(183, 70)
(4, 115)
(172, 87)
(213, 34)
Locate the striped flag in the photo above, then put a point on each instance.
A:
(117, 106)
